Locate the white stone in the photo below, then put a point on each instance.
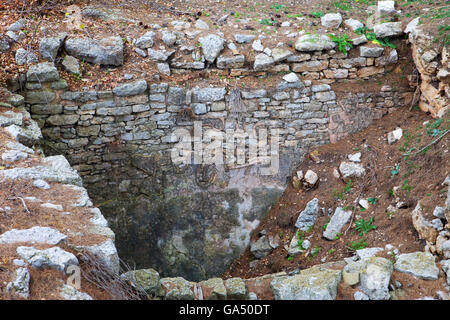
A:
(395, 135)
(34, 235)
(41, 184)
(291, 77)
(331, 20)
(356, 157)
(311, 177)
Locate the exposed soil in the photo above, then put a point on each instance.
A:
(419, 178)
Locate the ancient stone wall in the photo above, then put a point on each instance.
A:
(120, 141)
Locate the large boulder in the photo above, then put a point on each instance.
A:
(54, 257)
(108, 51)
(42, 72)
(49, 46)
(375, 275)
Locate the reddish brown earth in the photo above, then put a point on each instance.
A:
(424, 174)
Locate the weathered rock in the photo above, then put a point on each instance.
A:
(386, 7)
(337, 222)
(28, 135)
(14, 155)
(356, 157)
(200, 24)
(353, 24)
(388, 29)
(375, 276)
(358, 295)
(209, 94)
(315, 283)
(395, 135)
(145, 41)
(20, 286)
(68, 292)
(54, 257)
(350, 273)
(331, 20)
(370, 52)
(131, 89)
(367, 252)
(212, 45)
(160, 56)
(236, 288)
(34, 235)
(263, 62)
(144, 279)
(351, 169)
(49, 47)
(107, 51)
(419, 264)
(230, 62)
(314, 43)
(214, 289)
(25, 57)
(106, 253)
(307, 217)
(177, 289)
(244, 38)
(261, 247)
(280, 54)
(311, 178)
(446, 269)
(71, 64)
(422, 225)
(57, 169)
(42, 72)
(291, 77)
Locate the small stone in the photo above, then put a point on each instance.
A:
(311, 177)
(439, 212)
(41, 184)
(244, 38)
(34, 235)
(21, 284)
(307, 217)
(261, 247)
(145, 41)
(331, 20)
(337, 222)
(356, 157)
(257, 46)
(351, 169)
(200, 24)
(358, 295)
(395, 135)
(68, 292)
(262, 62)
(291, 77)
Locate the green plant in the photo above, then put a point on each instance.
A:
(300, 240)
(331, 251)
(277, 7)
(406, 186)
(343, 42)
(290, 258)
(357, 245)
(336, 237)
(316, 250)
(364, 226)
(372, 201)
(267, 22)
(317, 14)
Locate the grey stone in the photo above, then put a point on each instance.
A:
(156, 55)
(9, 118)
(261, 247)
(351, 169)
(21, 284)
(42, 72)
(49, 46)
(13, 155)
(57, 169)
(331, 20)
(71, 64)
(358, 295)
(106, 252)
(315, 283)
(230, 62)
(370, 52)
(54, 257)
(244, 38)
(107, 51)
(263, 62)
(419, 264)
(144, 279)
(18, 25)
(41, 184)
(314, 43)
(386, 7)
(68, 292)
(131, 89)
(4, 45)
(200, 24)
(216, 287)
(169, 38)
(236, 288)
(146, 41)
(28, 135)
(337, 222)
(25, 57)
(212, 45)
(388, 29)
(439, 212)
(375, 277)
(353, 24)
(307, 217)
(367, 252)
(280, 54)
(34, 235)
(209, 94)
(177, 289)
(164, 68)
